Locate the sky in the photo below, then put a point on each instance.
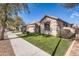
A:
(39, 10)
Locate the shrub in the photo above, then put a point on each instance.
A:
(28, 32)
(65, 33)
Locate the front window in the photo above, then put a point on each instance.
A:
(47, 26)
(65, 24)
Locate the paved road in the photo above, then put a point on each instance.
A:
(24, 48)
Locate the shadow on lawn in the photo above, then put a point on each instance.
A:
(31, 34)
(25, 35)
(38, 34)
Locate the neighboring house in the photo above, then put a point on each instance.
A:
(33, 28)
(30, 28)
(49, 25)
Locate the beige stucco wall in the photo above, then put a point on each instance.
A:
(53, 27)
(71, 29)
(31, 28)
(60, 24)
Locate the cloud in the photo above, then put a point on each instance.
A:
(76, 14)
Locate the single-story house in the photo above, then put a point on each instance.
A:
(49, 25)
(30, 28)
(33, 28)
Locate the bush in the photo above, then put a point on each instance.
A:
(65, 33)
(28, 32)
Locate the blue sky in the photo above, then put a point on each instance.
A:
(39, 10)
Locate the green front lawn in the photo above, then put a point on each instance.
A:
(48, 43)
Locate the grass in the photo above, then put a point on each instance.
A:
(47, 43)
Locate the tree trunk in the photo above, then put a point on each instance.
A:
(4, 24)
(2, 33)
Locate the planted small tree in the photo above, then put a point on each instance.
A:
(58, 42)
(69, 5)
(18, 22)
(65, 33)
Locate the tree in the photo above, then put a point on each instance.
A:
(10, 23)
(18, 21)
(60, 27)
(65, 33)
(69, 5)
(9, 10)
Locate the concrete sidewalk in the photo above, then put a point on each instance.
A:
(75, 49)
(24, 48)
